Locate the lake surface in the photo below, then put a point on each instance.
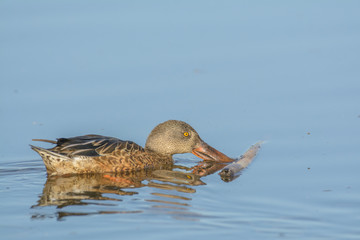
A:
(239, 72)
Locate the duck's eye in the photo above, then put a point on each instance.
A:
(186, 134)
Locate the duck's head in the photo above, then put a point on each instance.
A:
(172, 137)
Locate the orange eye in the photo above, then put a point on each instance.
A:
(186, 134)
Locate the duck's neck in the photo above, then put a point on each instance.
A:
(153, 152)
(156, 145)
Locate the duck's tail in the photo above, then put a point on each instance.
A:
(50, 158)
(45, 152)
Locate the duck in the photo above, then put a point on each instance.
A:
(102, 154)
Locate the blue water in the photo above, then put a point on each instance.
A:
(237, 71)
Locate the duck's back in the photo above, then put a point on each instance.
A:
(95, 153)
(93, 146)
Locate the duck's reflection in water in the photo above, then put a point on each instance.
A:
(79, 195)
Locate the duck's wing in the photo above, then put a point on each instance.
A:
(93, 146)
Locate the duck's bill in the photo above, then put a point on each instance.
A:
(208, 153)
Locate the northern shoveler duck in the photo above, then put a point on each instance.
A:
(100, 154)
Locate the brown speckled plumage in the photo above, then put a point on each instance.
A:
(100, 154)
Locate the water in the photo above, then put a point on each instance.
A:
(238, 72)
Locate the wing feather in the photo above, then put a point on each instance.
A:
(93, 146)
